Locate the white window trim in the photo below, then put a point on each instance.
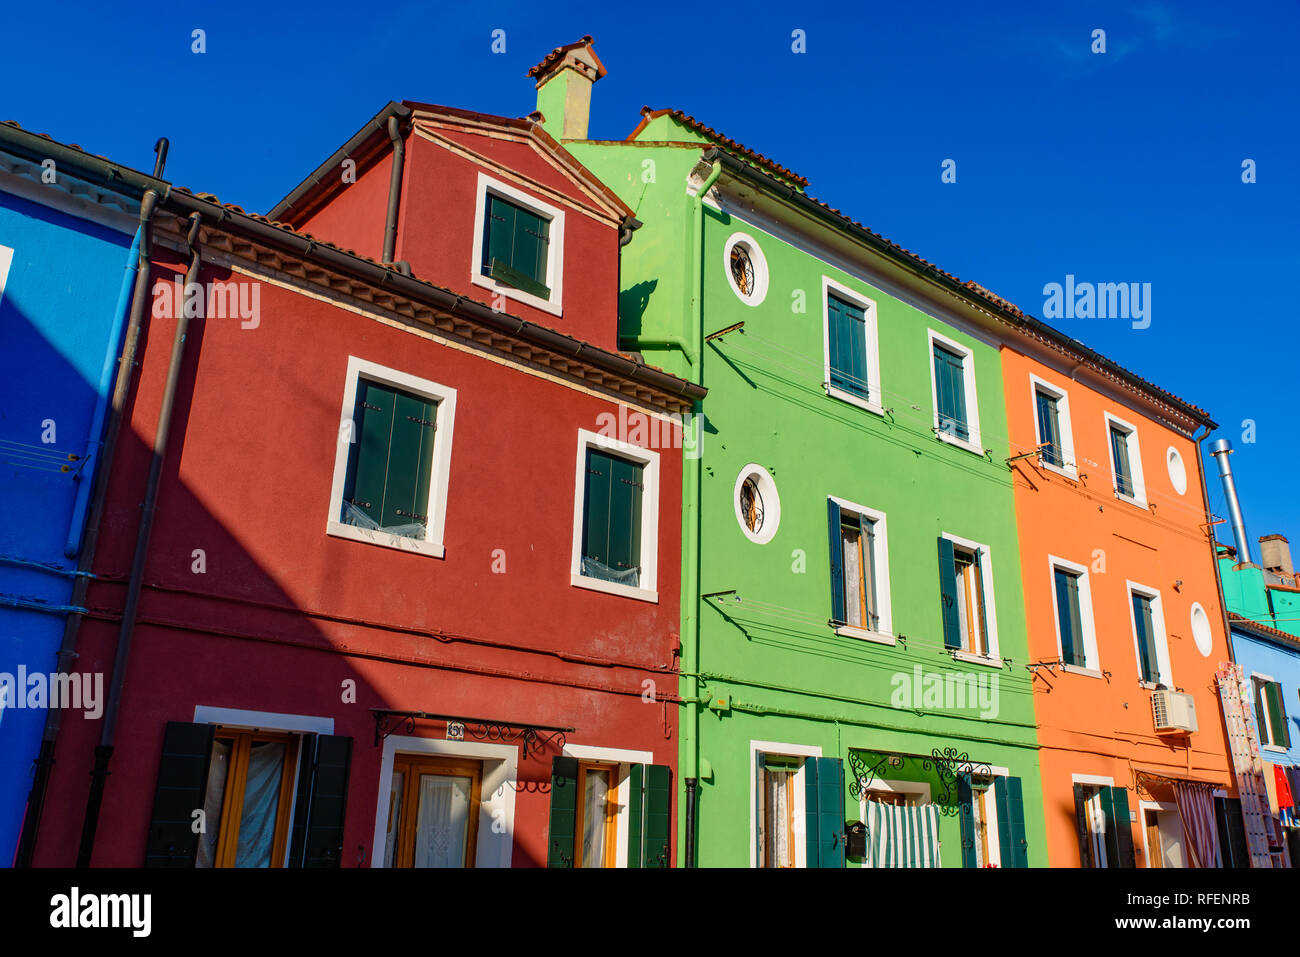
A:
(1165, 808)
(646, 591)
(880, 564)
(439, 470)
(972, 444)
(496, 793)
(756, 258)
(1098, 838)
(771, 503)
(1172, 452)
(1091, 659)
(993, 658)
(1038, 384)
(1162, 639)
(1268, 720)
(881, 786)
(874, 401)
(779, 749)
(554, 259)
(1139, 496)
(623, 759)
(991, 820)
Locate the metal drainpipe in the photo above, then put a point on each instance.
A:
(104, 752)
(691, 560)
(138, 270)
(394, 188)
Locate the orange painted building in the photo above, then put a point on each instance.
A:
(1122, 604)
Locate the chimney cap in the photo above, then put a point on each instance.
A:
(577, 56)
(1275, 537)
(1220, 445)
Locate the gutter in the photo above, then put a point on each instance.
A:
(772, 185)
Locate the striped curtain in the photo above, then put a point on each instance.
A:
(1200, 832)
(902, 836)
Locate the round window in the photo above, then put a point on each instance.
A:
(1177, 471)
(1201, 631)
(746, 269)
(758, 507)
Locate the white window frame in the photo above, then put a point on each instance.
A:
(1098, 837)
(771, 503)
(623, 759)
(989, 805)
(1162, 635)
(1038, 384)
(973, 444)
(884, 634)
(439, 470)
(1268, 720)
(496, 824)
(554, 260)
(647, 589)
(1139, 496)
(992, 659)
(780, 750)
(756, 259)
(1091, 658)
(873, 402)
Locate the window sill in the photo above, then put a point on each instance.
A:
(951, 439)
(1273, 748)
(613, 588)
(865, 634)
(1080, 670)
(1131, 500)
(1061, 470)
(385, 540)
(853, 398)
(971, 658)
(518, 295)
(1155, 685)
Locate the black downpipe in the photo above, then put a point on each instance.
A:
(161, 149)
(104, 752)
(692, 787)
(394, 188)
(68, 648)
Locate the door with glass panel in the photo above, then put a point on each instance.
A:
(433, 812)
(596, 832)
(248, 800)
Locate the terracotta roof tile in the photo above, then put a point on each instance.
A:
(558, 54)
(741, 150)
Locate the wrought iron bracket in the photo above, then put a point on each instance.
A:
(533, 739)
(947, 763)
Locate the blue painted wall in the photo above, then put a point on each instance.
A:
(1260, 656)
(57, 313)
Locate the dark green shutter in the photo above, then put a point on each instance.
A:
(1280, 736)
(1119, 449)
(1009, 796)
(635, 815)
(368, 457)
(1049, 428)
(1233, 849)
(966, 805)
(1145, 625)
(1070, 617)
(564, 812)
(1119, 827)
(837, 562)
(516, 246)
(948, 595)
(596, 516)
(950, 392)
(391, 461)
(1081, 827)
(658, 815)
(612, 515)
(322, 807)
(182, 787)
(848, 346)
(824, 811)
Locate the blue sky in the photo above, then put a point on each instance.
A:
(1116, 167)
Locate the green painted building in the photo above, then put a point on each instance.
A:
(853, 637)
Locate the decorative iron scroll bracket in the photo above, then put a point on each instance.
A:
(533, 739)
(946, 763)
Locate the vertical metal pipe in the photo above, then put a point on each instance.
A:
(1221, 449)
(71, 628)
(394, 188)
(104, 752)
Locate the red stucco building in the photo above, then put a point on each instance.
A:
(411, 593)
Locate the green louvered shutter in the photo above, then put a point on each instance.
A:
(824, 811)
(950, 390)
(1081, 826)
(1119, 827)
(635, 815)
(390, 463)
(658, 816)
(613, 510)
(182, 787)
(1232, 833)
(948, 595)
(1009, 796)
(1145, 625)
(1119, 450)
(323, 809)
(368, 457)
(838, 615)
(516, 246)
(1281, 737)
(564, 812)
(848, 346)
(596, 515)
(966, 805)
(1071, 620)
(1049, 428)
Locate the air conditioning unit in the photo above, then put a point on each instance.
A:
(1174, 712)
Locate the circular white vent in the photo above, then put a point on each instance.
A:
(1201, 631)
(758, 507)
(746, 268)
(1177, 471)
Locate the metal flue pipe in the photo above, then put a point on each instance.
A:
(1221, 449)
